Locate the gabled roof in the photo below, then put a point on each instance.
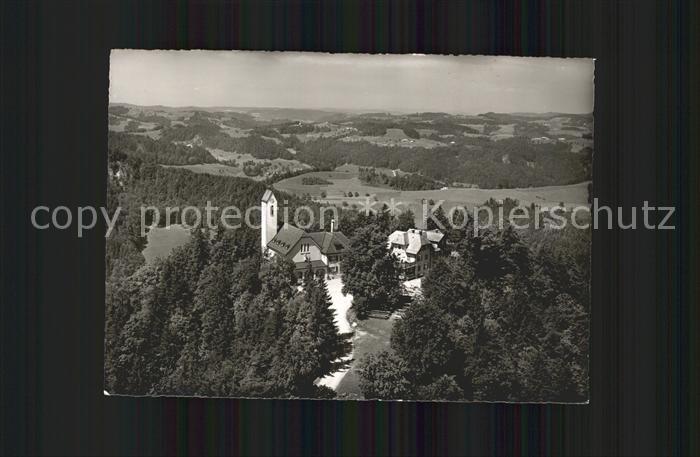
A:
(398, 237)
(330, 243)
(267, 196)
(416, 240)
(413, 240)
(285, 239)
(304, 265)
(435, 236)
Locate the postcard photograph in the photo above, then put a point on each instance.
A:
(348, 226)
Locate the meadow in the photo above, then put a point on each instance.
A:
(162, 240)
(347, 180)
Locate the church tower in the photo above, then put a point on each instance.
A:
(268, 220)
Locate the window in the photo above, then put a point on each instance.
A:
(272, 210)
(305, 247)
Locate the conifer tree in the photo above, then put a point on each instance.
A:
(385, 376)
(332, 346)
(438, 214)
(370, 272)
(404, 221)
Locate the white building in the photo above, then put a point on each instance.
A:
(415, 249)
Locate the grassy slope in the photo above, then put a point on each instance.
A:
(570, 195)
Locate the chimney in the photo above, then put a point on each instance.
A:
(332, 225)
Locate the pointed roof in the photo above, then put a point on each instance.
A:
(267, 196)
(285, 239)
(416, 240)
(288, 236)
(398, 237)
(413, 239)
(330, 242)
(304, 265)
(435, 236)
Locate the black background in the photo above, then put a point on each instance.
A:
(55, 80)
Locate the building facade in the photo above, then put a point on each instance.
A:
(323, 252)
(415, 250)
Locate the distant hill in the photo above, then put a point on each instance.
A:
(489, 150)
(292, 114)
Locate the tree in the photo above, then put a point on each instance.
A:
(411, 132)
(384, 375)
(299, 364)
(244, 278)
(332, 345)
(422, 340)
(314, 347)
(207, 336)
(443, 388)
(496, 322)
(131, 362)
(371, 274)
(438, 214)
(405, 220)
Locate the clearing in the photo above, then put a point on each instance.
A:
(347, 180)
(395, 137)
(370, 335)
(162, 240)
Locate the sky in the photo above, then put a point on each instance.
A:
(352, 82)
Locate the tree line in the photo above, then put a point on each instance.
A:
(509, 162)
(213, 320)
(499, 320)
(160, 151)
(407, 181)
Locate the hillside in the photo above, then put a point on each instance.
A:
(490, 150)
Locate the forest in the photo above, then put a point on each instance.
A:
(211, 320)
(155, 151)
(409, 181)
(514, 162)
(315, 181)
(505, 318)
(472, 159)
(134, 183)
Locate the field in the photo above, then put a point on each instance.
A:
(396, 137)
(220, 154)
(342, 182)
(233, 163)
(371, 335)
(538, 150)
(161, 241)
(556, 146)
(504, 131)
(348, 181)
(214, 169)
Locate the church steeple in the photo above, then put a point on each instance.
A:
(268, 220)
